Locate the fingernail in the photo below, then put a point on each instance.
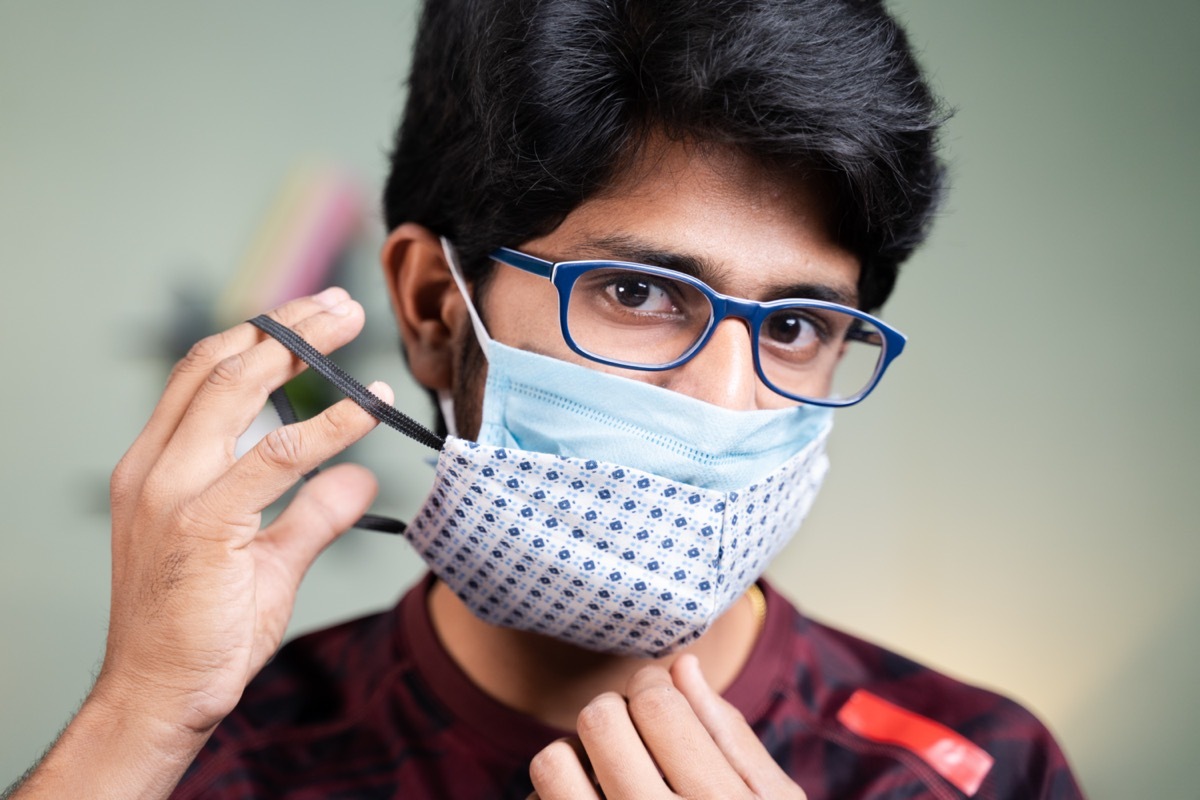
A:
(331, 297)
(341, 309)
(382, 391)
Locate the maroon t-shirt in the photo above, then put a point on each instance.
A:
(375, 708)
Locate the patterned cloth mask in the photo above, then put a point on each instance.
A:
(603, 556)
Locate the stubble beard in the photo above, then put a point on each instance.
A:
(470, 374)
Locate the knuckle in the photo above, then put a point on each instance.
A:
(649, 676)
(653, 702)
(121, 482)
(550, 763)
(599, 715)
(339, 423)
(282, 447)
(202, 354)
(292, 312)
(228, 371)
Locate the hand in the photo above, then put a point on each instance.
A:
(670, 736)
(201, 593)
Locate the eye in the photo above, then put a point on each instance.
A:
(639, 293)
(790, 329)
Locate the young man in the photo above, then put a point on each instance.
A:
(632, 249)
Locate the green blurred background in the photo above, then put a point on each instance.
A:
(1014, 505)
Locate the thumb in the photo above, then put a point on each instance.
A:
(324, 508)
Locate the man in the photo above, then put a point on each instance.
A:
(633, 247)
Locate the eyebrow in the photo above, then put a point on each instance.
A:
(629, 248)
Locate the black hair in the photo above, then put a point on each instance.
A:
(519, 110)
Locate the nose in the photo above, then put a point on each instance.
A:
(722, 373)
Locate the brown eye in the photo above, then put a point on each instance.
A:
(638, 293)
(631, 292)
(790, 328)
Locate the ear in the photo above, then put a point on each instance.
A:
(429, 309)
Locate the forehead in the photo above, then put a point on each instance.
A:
(755, 231)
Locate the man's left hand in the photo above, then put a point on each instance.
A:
(669, 736)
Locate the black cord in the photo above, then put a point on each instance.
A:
(378, 409)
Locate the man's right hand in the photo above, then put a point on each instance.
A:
(202, 593)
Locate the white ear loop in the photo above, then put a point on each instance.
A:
(444, 398)
(446, 403)
(456, 271)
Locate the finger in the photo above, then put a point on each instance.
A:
(689, 759)
(619, 759)
(273, 465)
(190, 373)
(731, 733)
(187, 376)
(325, 507)
(237, 389)
(558, 773)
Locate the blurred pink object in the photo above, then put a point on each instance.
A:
(314, 219)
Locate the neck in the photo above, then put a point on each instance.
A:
(551, 680)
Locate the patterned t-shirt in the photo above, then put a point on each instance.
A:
(376, 708)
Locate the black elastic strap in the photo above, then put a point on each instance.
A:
(383, 412)
(374, 522)
(387, 414)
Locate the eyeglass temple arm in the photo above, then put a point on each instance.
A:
(858, 334)
(519, 260)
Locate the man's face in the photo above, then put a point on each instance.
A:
(743, 230)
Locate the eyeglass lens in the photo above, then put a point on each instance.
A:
(623, 314)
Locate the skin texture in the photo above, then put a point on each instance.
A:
(759, 238)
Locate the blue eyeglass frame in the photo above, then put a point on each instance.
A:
(563, 275)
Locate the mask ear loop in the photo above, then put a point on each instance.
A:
(444, 398)
(384, 412)
(445, 401)
(456, 272)
(446, 404)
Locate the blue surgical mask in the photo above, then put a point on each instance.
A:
(542, 404)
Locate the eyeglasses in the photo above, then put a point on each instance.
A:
(651, 318)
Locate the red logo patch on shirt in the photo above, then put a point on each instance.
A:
(953, 756)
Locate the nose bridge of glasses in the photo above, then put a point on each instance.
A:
(725, 306)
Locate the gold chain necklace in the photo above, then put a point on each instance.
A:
(758, 602)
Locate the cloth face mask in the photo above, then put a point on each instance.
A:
(603, 556)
